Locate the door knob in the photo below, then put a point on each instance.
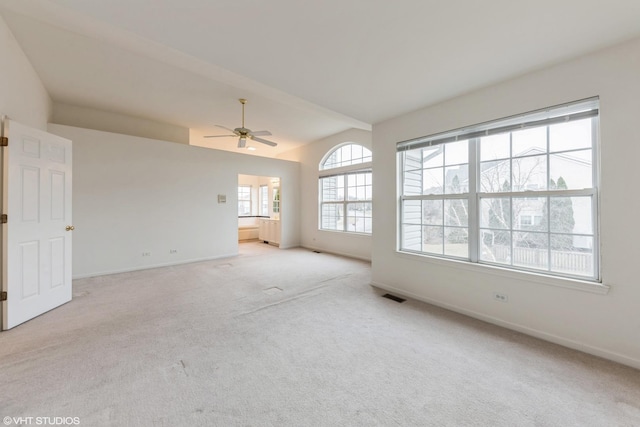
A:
(70, 228)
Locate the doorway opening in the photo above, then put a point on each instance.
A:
(259, 209)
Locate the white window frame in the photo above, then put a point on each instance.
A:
(364, 158)
(250, 200)
(263, 200)
(577, 110)
(356, 167)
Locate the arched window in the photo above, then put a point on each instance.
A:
(346, 155)
(346, 189)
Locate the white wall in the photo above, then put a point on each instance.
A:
(22, 95)
(133, 195)
(310, 155)
(90, 118)
(606, 325)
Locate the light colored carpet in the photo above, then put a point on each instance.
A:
(292, 338)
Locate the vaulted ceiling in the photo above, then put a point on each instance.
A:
(309, 68)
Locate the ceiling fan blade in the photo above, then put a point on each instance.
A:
(261, 133)
(217, 136)
(226, 128)
(242, 142)
(264, 141)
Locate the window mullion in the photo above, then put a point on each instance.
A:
(456, 196)
(551, 193)
(344, 211)
(474, 217)
(548, 200)
(511, 234)
(595, 200)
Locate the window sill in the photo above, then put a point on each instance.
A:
(562, 282)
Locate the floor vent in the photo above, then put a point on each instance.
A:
(393, 298)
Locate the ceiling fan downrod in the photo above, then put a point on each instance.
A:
(242, 101)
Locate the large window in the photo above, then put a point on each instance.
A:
(346, 190)
(519, 192)
(244, 200)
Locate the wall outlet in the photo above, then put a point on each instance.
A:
(146, 253)
(173, 251)
(500, 297)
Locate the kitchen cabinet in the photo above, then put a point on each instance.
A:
(269, 231)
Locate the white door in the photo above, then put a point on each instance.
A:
(36, 251)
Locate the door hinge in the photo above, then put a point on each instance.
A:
(3, 296)
(4, 141)
(4, 219)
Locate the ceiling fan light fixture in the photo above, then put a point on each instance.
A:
(244, 133)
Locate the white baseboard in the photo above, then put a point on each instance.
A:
(149, 267)
(585, 348)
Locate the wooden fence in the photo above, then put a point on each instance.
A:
(565, 261)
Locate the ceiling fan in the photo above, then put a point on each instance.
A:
(243, 133)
